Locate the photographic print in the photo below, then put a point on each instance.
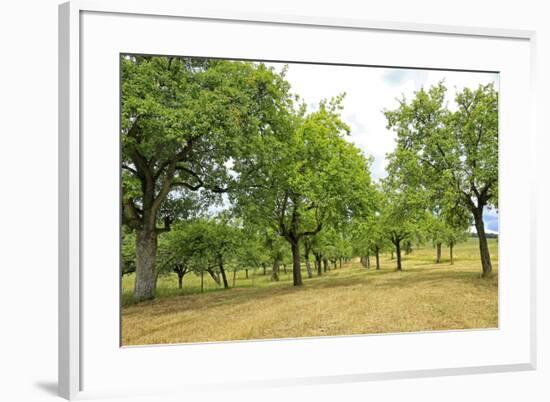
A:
(269, 200)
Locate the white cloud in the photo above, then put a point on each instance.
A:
(369, 91)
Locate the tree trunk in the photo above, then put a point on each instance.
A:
(377, 253)
(146, 253)
(214, 276)
(224, 277)
(340, 262)
(234, 277)
(368, 261)
(398, 254)
(392, 257)
(483, 247)
(451, 252)
(264, 268)
(325, 264)
(246, 273)
(202, 281)
(284, 268)
(318, 264)
(334, 264)
(308, 266)
(275, 270)
(363, 260)
(180, 280)
(438, 253)
(296, 268)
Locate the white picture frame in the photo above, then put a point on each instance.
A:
(72, 210)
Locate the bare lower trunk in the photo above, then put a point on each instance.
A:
(214, 276)
(246, 273)
(146, 274)
(318, 264)
(308, 266)
(180, 281)
(264, 267)
(325, 264)
(275, 270)
(398, 254)
(377, 253)
(234, 277)
(202, 281)
(368, 261)
(224, 277)
(483, 247)
(438, 253)
(451, 253)
(296, 268)
(392, 257)
(340, 262)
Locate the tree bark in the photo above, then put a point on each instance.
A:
(202, 281)
(318, 264)
(275, 270)
(146, 253)
(214, 276)
(398, 254)
(451, 253)
(483, 247)
(180, 280)
(246, 273)
(296, 268)
(325, 264)
(264, 268)
(224, 277)
(368, 261)
(340, 262)
(377, 253)
(438, 253)
(308, 266)
(234, 277)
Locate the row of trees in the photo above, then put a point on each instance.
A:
(220, 247)
(228, 139)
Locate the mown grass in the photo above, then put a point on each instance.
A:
(349, 300)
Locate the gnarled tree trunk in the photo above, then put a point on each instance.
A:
(296, 266)
(146, 254)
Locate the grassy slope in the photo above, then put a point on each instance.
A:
(350, 300)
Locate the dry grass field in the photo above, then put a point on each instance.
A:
(349, 300)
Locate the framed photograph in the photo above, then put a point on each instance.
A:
(300, 200)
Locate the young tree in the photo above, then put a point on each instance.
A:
(436, 230)
(403, 211)
(457, 150)
(183, 121)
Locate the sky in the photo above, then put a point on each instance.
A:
(369, 91)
